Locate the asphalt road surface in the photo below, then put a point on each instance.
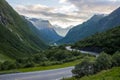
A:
(84, 52)
(55, 74)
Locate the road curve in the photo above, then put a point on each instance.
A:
(84, 52)
(55, 74)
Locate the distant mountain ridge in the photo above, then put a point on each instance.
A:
(48, 34)
(80, 31)
(41, 24)
(97, 23)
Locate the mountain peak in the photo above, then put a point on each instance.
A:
(97, 17)
(40, 23)
(45, 21)
(33, 19)
(46, 30)
(116, 11)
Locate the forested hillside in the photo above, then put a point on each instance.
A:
(108, 41)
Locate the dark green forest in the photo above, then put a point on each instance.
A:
(108, 41)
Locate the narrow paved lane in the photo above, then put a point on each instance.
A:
(55, 74)
(84, 52)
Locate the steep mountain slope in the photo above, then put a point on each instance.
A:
(81, 31)
(16, 37)
(110, 21)
(92, 26)
(46, 31)
(108, 41)
(61, 31)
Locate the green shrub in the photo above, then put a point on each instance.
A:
(84, 68)
(103, 62)
(38, 58)
(29, 64)
(116, 59)
(7, 65)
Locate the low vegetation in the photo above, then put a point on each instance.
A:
(68, 64)
(103, 62)
(111, 74)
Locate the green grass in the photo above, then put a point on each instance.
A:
(112, 74)
(40, 68)
(8, 72)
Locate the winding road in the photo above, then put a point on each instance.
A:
(55, 74)
(83, 52)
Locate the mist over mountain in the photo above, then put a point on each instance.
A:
(61, 31)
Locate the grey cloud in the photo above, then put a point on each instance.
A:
(85, 9)
(95, 5)
(48, 12)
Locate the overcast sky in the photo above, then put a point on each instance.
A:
(64, 12)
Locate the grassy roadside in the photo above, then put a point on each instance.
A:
(112, 74)
(40, 68)
(73, 63)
